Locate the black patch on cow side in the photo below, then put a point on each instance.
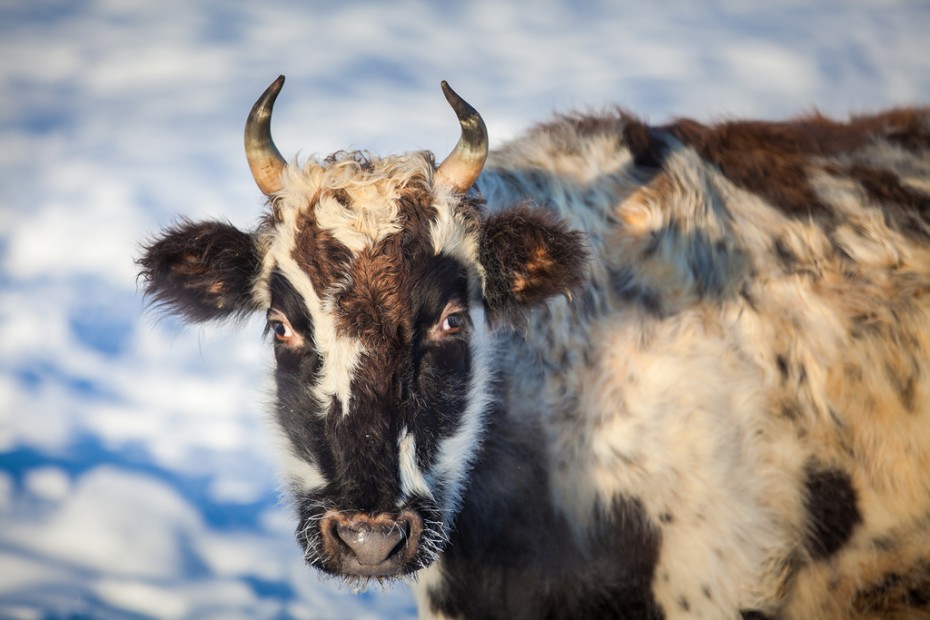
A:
(632, 543)
(513, 556)
(752, 614)
(770, 159)
(832, 511)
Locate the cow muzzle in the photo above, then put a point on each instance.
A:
(380, 545)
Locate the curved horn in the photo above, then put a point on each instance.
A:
(264, 157)
(462, 167)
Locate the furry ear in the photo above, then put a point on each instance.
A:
(529, 255)
(202, 270)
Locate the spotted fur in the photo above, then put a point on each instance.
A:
(691, 378)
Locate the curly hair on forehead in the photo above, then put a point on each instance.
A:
(348, 169)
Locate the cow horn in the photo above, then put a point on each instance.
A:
(462, 167)
(265, 159)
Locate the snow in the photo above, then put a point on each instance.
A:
(136, 469)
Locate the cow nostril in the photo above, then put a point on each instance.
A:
(373, 542)
(374, 545)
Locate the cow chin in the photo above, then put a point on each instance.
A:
(360, 545)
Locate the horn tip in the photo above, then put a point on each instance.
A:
(461, 107)
(275, 86)
(451, 96)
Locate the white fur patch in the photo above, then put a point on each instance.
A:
(411, 478)
(372, 216)
(451, 235)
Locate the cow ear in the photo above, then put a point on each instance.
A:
(202, 270)
(529, 255)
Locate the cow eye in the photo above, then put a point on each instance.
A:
(281, 328)
(281, 331)
(453, 323)
(454, 319)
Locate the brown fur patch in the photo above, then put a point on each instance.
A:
(374, 307)
(323, 257)
(537, 265)
(775, 160)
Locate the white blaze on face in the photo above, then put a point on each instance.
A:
(412, 481)
(339, 353)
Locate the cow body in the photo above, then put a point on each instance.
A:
(726, 413)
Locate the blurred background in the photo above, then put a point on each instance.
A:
(136, 473)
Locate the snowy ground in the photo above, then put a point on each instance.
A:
(136, 476)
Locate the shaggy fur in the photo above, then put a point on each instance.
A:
(751, 362)
(725, 415)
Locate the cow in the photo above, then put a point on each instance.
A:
(606, 370)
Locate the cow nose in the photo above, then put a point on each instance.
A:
(371, 543)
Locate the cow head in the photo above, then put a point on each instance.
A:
(382, 280)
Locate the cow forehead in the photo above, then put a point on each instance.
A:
(357, 201)
(344, 234)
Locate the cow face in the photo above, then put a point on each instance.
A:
(382, 281)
